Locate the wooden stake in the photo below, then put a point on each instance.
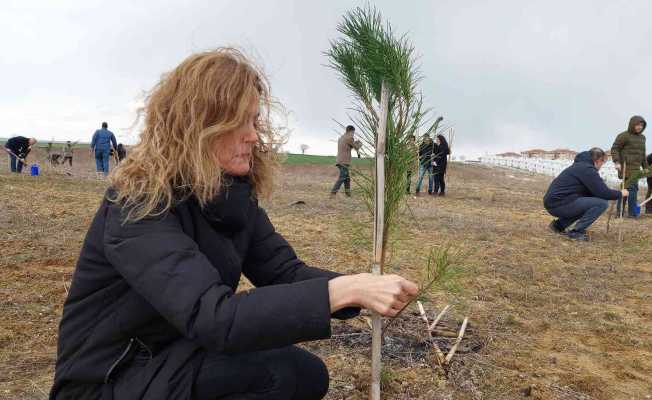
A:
(611, 211)
(439, 317)
(645, 202)
(438, 353)
(453, 349)
(379, 228)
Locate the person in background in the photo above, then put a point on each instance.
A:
(628, 154)
(439, 164)
(345, 144)
(648, 205)
(68, 152)
(579, 195)
(426, 149)
(122, 152)
(18, 147)
(414, 152)
(102, 143)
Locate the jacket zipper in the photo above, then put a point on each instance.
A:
(116, 362)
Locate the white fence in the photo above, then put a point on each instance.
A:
(552, 167)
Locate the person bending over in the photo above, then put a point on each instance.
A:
(18, 147)
(579, 195)
(153, 311)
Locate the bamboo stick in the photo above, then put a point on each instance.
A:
(379, 227)
(453, 349)
(438, 353)
(439, 317)
(645, 202)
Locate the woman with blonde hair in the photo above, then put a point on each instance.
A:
(152, 312)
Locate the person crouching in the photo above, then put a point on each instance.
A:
(579, 195)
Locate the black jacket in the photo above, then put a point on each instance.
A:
(425, 153)
(18, 145)
(441, 158)
(168, 285)
(579, 180)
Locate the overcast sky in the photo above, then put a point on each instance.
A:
(509, 75)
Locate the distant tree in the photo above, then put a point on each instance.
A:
(303, 148)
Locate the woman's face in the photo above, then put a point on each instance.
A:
(235, 149)
(438, 141)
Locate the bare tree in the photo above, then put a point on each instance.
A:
(303, 148)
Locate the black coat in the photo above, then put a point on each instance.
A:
(579, 180)
(18, 145)
(441, 158)
(425, 153)
(168, 284)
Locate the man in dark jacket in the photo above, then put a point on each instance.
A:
(579, 195)
(628, 154)
(426, 149)
(18, 148)
(102, 144)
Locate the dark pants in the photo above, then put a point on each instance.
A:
(102, 161)
(440, 183)
(632, 200)
(67, 158)
(14, 164)
(585, 210)
(344, 178)
(648, 206)
(287, 373)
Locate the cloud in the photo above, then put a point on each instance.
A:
(506, 74)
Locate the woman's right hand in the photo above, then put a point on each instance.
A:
(384, 294)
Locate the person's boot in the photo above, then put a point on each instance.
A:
(578, 235)
(333, 195)
(347, 193)
(554, 226)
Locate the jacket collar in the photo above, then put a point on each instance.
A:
(229, 209)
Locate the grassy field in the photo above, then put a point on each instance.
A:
(549, 318)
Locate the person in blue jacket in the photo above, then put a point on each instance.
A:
(579, 195)
(103, 141)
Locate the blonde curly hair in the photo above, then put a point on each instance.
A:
(206, 96)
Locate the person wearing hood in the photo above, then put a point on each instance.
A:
(579, 195)
(426, 149)
(628, 154)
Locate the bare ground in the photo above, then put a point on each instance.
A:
(550, 318)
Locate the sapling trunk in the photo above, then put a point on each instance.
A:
(379, 241)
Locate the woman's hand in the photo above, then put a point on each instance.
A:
(384, 294)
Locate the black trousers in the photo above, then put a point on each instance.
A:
(288, 373)
(440, 182)
(344, 178)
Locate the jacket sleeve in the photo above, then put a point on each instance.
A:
(164, 265)
(113, 141)
(596, 186)
(617, 148)
(645, 164)
(272, 261)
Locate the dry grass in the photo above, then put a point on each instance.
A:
(550, 317)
